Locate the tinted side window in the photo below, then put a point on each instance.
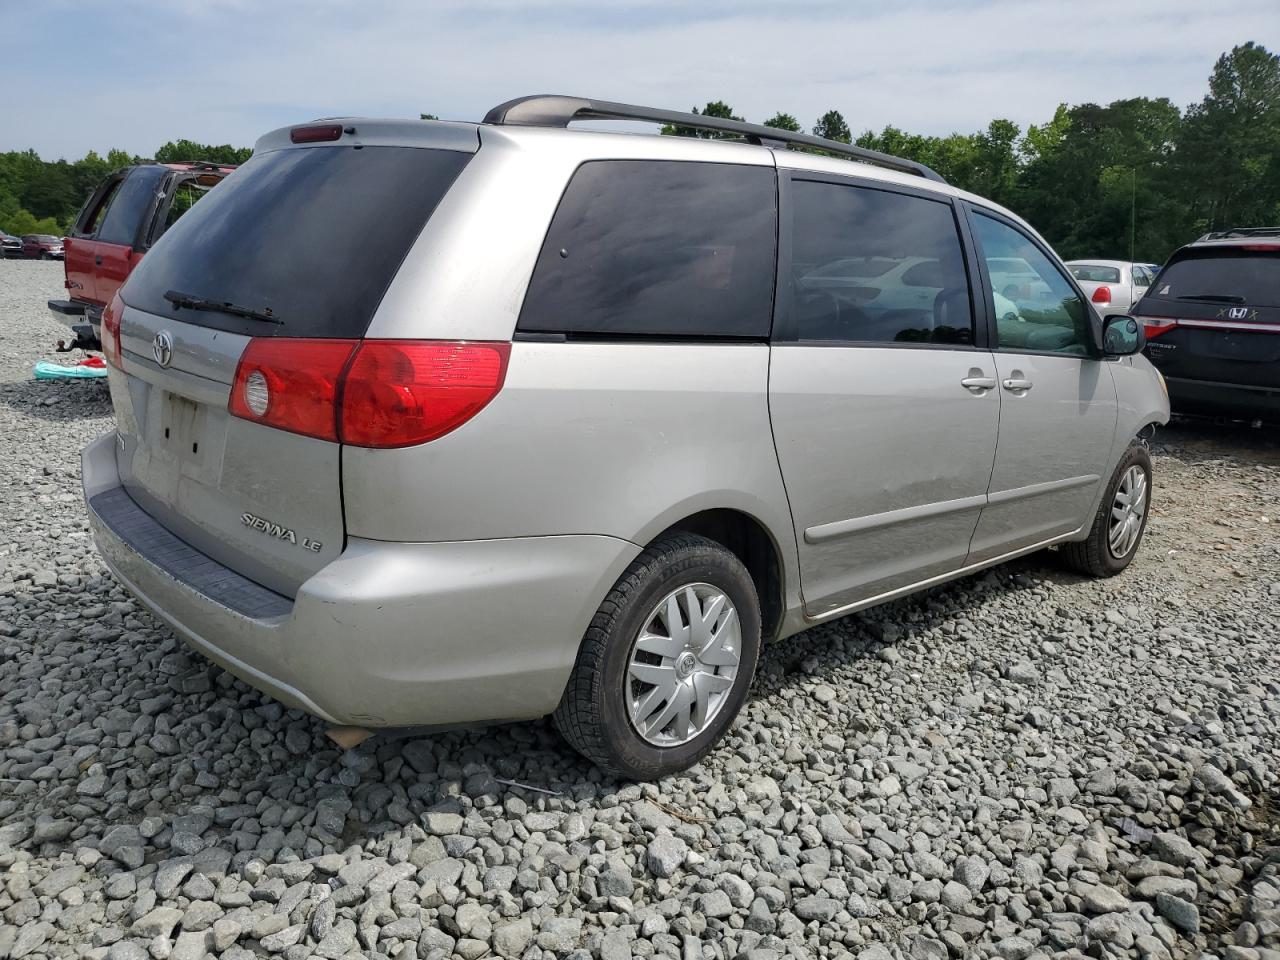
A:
(876, 267)
(91, 219)
(129, 205)
(1036, 310)
(658, 248)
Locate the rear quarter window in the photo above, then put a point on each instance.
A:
(90, 217)
(641, 248)
(130, 206)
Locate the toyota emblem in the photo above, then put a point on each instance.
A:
(162, 348)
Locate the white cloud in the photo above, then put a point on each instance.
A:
(227, 70)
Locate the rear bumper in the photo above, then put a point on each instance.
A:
(81, 317)
(388, 634)
(1213, 399)
(67, 308)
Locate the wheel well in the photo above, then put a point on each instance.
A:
(750, 542)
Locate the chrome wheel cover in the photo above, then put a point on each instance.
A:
(682, 665)
(1127, 510)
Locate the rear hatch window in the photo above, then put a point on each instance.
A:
(1209, 280)
(309, 236)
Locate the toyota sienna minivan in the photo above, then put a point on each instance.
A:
(426, 423)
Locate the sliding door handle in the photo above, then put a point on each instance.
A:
(1017, 385)
(978, 384)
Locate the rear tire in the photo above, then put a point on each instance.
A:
(1120, 522)
(634, 667)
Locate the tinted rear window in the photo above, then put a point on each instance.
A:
(1090, 273)
(314, 235)
(130, 206)
(1251, 276)
(658, 248)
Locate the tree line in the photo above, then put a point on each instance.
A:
(44, 196)
(1139, 175)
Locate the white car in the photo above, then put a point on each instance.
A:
(1113, 286)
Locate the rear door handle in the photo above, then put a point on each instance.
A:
(1015, 384)
(977, 384)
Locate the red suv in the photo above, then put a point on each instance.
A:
(41, 246)
(128, 212)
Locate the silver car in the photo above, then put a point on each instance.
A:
(1113, 286)
(425, 423)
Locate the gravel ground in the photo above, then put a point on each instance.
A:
(1020, 764)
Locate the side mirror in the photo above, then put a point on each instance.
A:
(1122, 335)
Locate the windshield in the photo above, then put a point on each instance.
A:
(1247, 277)
(310, 236)
(1094, 274)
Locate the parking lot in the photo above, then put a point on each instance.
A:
(1022, 763)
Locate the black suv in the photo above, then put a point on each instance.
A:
(1212, 320)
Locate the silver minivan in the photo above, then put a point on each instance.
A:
(426, 423)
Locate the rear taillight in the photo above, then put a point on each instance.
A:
(1155, 326)
(372, 393)
(291, 384)
(111, 331)
(400, 392)
(1102, 296)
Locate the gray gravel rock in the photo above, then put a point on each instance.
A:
(1181, 913)
(664, 855)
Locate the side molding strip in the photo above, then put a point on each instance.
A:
(842, 528)
(1039, 489)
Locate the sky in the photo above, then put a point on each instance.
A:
(134, 74)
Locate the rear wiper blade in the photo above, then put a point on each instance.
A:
(179, 299)
(1213, 297)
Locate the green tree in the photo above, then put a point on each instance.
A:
(832, 126)
(176, 151)
(716, 108)
(783, 121)
(1230, 143)
(1097, 181)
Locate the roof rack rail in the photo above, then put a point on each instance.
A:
(547, 110)
(1241, 232)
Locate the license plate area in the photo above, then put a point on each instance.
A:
(180, 430)
(1233, 345)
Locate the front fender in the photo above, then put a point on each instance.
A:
(1141, 400)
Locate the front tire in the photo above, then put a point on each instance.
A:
(1121, 519)
(667, 661)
